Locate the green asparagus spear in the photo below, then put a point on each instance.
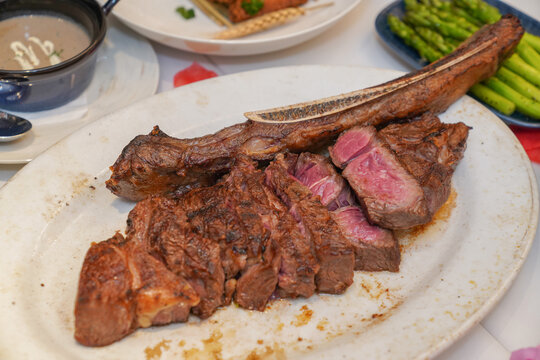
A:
(437, 4)
(408, 35)
(493, 99)
(433, 22)
(518, 83)
(448, 29)
(527, 53)
(464, 14)
(411, 5)
(532, 40)
(434, 39)
(520, 67)
(480, 10)
(415, 19)
(457, 20)
(524, 105)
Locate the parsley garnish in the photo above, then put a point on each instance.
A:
(252, 7)
(57, 53)
(186, 13)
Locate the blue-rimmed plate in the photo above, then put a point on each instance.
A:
(410, 55)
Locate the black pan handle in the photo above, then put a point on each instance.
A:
(109, 5)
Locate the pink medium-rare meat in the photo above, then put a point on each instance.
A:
(375, 248)
(391, 196)
(159, 164)
(401, 175)
(320, 177)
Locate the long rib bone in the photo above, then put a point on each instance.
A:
(336, 104)
(159, 164)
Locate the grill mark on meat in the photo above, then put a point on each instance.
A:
(299, 264)
(158, 164)
(162, 227)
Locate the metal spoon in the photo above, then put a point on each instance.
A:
(12, 127)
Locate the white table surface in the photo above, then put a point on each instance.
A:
(515, 322)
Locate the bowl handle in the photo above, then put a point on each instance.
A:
(11, 90)
(109, 5)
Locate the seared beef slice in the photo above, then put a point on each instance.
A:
(375, 248)
(333, 250)
(162, 226)
(276, 250)
(401, 175)
(121, 288)
(247, 199)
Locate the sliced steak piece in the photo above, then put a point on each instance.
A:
(401, 175)
(391, 196)
(230, 216)
(121, 288)
(429, 150)
(168, 236)
(277, 251)
(210, 216)
(198, 260)
(299, 263)
(333, 250)
(246, 198)
(258, 281)
(375, 248)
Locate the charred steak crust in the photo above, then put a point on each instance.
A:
(429, 150)
(194, 253)
(121, 288)
(159, 164)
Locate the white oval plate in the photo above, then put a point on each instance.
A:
(127, 70)
(160, 22)
(452, 273)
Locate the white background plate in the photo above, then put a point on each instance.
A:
(159, 21)
(452, 272)
(126, 71)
